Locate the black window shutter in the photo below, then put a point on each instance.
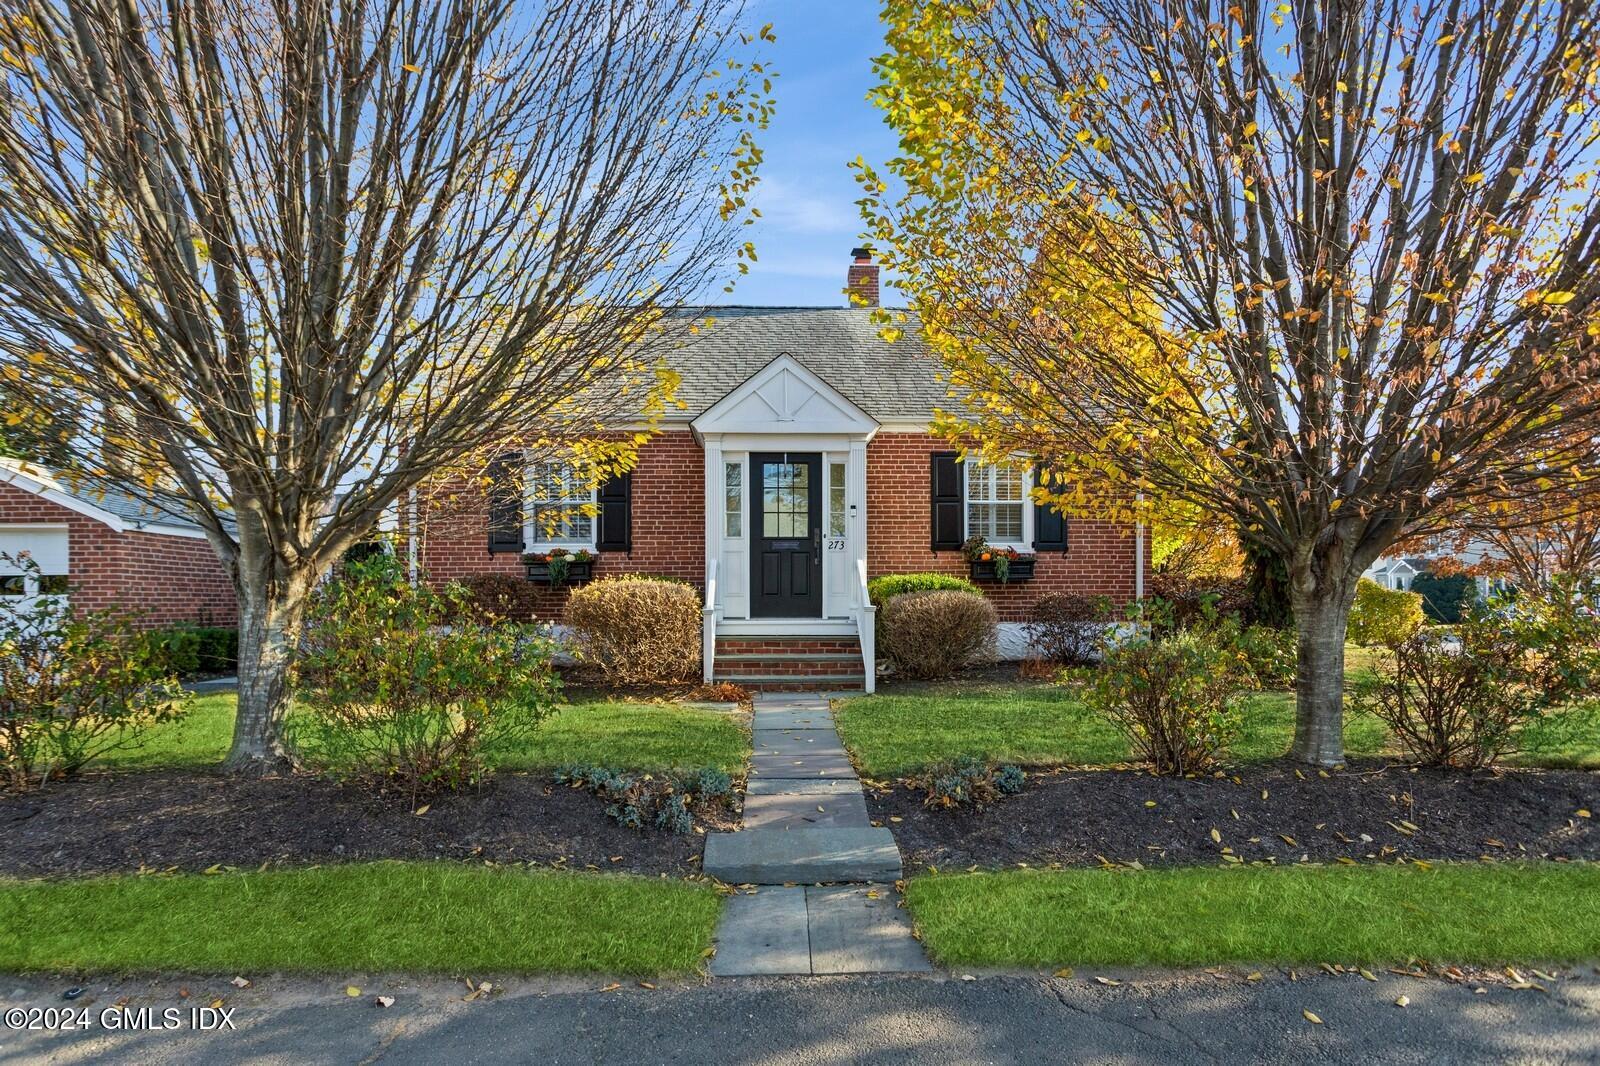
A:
(945, 491)
(615, 497)
(505, 502)
(1049, 525)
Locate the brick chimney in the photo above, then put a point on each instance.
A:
(861, 284)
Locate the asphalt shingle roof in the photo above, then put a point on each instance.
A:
(892, 382)
(136, 511)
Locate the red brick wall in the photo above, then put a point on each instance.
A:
(1098, 560)
(174, 579)
(669, 534)
(669, 530)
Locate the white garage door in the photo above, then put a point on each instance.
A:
(48, 546)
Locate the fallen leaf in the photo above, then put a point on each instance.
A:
(1583, 813)
(1065, 971)
(1368, 975)
(384, 1001)
(1312, 1018)
(968, 977)
(420, 811)
(612, 987)
(1113, 982)
(239, 982)
(1403, 1001)
(352, 991)
(216, 1004)
(1216, 836)
(1253, 976)
(647, 984)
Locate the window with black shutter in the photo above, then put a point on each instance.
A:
(944, 480)
(505, 502)
(615, 500)
(1049, 524)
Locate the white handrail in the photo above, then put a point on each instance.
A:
(866, 629)
(708, 625)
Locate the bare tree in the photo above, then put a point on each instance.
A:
(303, 255)
(1322, 269)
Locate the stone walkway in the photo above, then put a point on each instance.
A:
(818, 877)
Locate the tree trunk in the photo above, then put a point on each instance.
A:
(270, 613)
(1321, 616)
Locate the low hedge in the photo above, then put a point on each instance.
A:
(194, 649)
(881, 589)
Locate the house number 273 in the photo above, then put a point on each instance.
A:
(836, 544)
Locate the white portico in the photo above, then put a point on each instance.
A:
(786, 509)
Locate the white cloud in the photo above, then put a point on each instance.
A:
(790, 207)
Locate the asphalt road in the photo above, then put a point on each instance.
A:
(1165, 1017)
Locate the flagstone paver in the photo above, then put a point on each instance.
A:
(806, 824)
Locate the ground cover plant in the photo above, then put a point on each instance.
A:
(1373, 915)
(419, 917)
(667, 802)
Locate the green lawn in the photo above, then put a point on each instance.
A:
(1035, 723)
(1192, 916)
(421, 917)
(633, 736)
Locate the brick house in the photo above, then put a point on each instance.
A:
(104, 548)
(800, 465)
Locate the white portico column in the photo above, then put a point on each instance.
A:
(855, 498)
(712, 607)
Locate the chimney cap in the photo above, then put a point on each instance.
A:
(861, 255)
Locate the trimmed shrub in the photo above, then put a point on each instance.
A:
(1194, 601)
(396, 684)
(1461, 699)
(1452, 703)
(1175, 697)
(1271, 655)
(496, 597)
(1065, 628)
(880, 590)
(1445, 597)
(637, 630)
(934, 634)
(1383, 617)
(193, 649)
(75, 685)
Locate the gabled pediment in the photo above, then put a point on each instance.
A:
(784, 397)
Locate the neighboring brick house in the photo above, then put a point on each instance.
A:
(830, 423)
(103, 548)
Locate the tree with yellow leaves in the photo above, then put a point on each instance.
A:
(296, 259)
(1322, 271)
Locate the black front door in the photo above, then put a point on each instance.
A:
(786, 567)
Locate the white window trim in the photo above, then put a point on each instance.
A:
(533, 539)
(1025, 544)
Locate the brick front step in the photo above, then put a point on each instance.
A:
(776, 663)
(788, 646)
(830, 663)
(795, 682)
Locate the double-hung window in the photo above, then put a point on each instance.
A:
(560, 507)
(995, 502)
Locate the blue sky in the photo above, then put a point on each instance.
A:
(807, 197)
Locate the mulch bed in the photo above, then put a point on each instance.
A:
(106, 823)
(1365, 813)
